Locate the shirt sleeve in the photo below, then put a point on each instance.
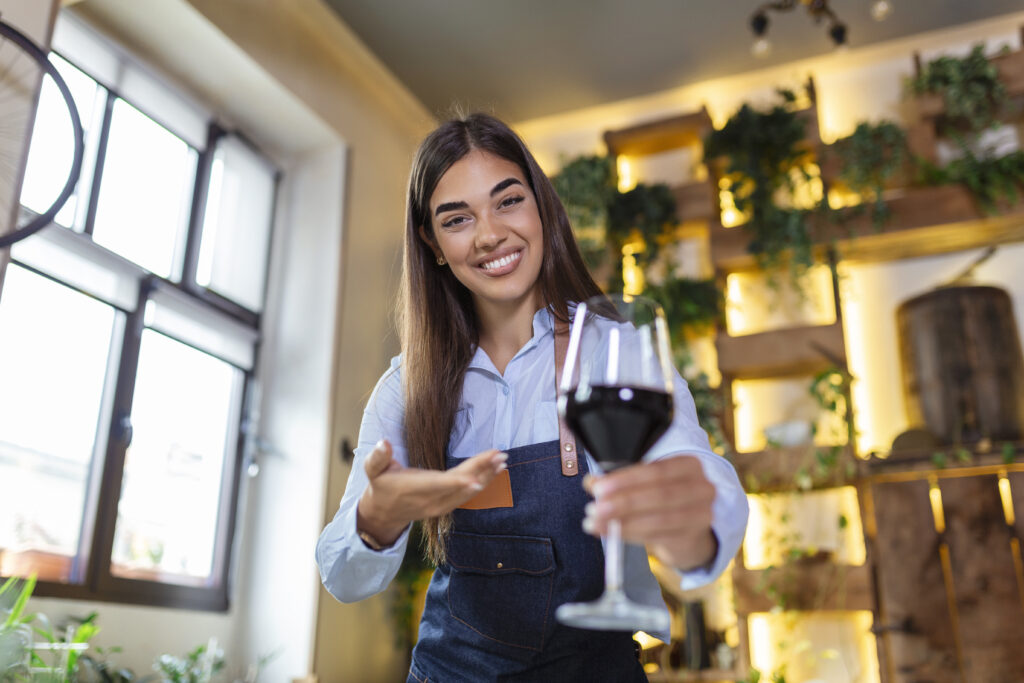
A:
(730, 509)
(349, 569)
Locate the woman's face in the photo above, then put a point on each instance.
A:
(487, 226)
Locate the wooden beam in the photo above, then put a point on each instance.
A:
(917, 626)
(781, 353)
(984, 580)
(696, 201)
(1011, 71)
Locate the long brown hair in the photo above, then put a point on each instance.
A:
(438, 322)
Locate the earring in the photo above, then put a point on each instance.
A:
(441, 261)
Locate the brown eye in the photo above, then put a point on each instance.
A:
(509, 201)
(453, 222)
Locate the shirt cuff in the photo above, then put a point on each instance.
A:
(361, 550)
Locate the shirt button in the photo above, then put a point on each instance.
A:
(505, 390)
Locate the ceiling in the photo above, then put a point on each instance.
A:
(523, 59)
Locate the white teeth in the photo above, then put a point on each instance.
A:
(503, 261)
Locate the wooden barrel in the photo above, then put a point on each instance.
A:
(963, 370)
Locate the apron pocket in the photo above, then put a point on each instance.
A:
(500, 586)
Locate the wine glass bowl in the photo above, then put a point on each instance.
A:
(615, 394)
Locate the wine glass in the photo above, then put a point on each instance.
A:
(615, 394)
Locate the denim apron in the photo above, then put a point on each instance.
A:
(490, 610)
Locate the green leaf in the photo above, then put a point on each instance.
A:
(19, 605)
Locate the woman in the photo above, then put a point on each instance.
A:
(462, 433)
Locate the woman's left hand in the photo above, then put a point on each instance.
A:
(665, 505)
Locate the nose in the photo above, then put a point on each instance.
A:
(490, 232)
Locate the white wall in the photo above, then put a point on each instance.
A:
(871, 294)
(284, 505)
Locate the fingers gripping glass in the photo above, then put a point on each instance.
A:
(22, 65)
(615, 394)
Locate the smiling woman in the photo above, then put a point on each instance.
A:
(486, 225)
(462, 433)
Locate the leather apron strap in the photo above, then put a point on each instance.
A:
(566, 440)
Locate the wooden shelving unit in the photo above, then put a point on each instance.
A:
(921, 222)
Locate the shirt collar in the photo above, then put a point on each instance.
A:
(543, 324)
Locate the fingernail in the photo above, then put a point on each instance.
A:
(590, 509)
(380, 444)
(589, 526)
(500, 467)
(476, 486)
(600, 488)
(501, 457)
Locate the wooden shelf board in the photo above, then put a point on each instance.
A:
(920, 465)
(775, 470)
(780, 353)
(922, 222)
(811, 584)
(695, 202)
(660, 135)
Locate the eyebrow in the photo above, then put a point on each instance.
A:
(452, 206)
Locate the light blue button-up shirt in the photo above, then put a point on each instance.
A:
(503, 412)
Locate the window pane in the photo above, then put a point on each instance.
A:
(52, 146)
(236, 227)
(146, 192)
(54, 349)
(185, 420)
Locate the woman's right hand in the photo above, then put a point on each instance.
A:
(397, 496)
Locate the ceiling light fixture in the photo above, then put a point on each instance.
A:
(819, 11)
(880, 9)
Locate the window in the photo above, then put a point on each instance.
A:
(128, 337)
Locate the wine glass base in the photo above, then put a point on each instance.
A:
(611, 613)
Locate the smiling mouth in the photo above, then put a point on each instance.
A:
(502, 263)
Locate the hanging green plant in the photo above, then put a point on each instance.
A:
(764, 159)
(970, 90)
(694, 307)
(647, 210)
(868, 159)
(586, 186)
(990, 180)
(690, 305)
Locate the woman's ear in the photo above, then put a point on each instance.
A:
(429, 239)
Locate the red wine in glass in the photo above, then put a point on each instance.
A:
(618, 424)
(615, 394)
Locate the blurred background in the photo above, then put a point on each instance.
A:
(825, 196)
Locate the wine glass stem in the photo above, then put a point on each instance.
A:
(613, 561)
